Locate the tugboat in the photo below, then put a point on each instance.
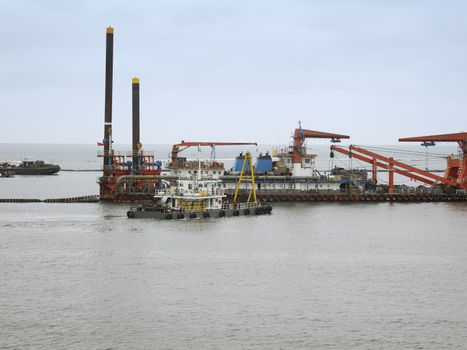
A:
(198, 197)
(37, 167)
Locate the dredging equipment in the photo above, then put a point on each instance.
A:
(298, 150)
(456, 167)
(454, 177)
(117, 164)
(136, 179)
(107, 140)
(286, 175)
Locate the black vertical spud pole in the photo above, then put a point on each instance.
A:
(109, 53)
(136, 142)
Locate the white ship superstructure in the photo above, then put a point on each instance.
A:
(198, 196)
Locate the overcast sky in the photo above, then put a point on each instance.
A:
(233, 70)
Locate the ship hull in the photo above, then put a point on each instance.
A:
(36, 171)
(142, 213)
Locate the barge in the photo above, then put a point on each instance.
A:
(27, 167)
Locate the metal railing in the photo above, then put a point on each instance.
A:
(139, 154)
(249, 205)
(114, 153)
(417, 190)
(181, 192)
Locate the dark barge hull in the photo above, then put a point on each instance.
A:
(143, 213)
(36, 170)
(360, 197)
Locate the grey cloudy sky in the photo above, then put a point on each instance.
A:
(233, 70)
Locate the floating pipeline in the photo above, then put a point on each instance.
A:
(20, 200)
(356, 197)
(80, 199)
(276, 197)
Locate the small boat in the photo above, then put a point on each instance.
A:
(37, 167)
(195, 197)
(206, 202)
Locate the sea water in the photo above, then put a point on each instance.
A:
(310, 275)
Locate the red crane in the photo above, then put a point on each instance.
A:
(456, 170)
(300, 135)
(393, 166)
(177, 148)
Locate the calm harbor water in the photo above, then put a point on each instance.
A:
(311, 275)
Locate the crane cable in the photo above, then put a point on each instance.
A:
(399, 151)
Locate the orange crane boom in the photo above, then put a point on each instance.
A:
(455, 137)
(455, 176)
(404, 166)
(179, 147)
(456, 169)
(375, 163)
(300, 135)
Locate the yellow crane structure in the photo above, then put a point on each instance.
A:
(248, 158)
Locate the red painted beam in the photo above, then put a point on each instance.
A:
(391, 175)
(358, 156)
(313, 134)
(300, 135)
(404, 166)
(373, 161)
(456, 137)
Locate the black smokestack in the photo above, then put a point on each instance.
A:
(109, 53)
(136, 142)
